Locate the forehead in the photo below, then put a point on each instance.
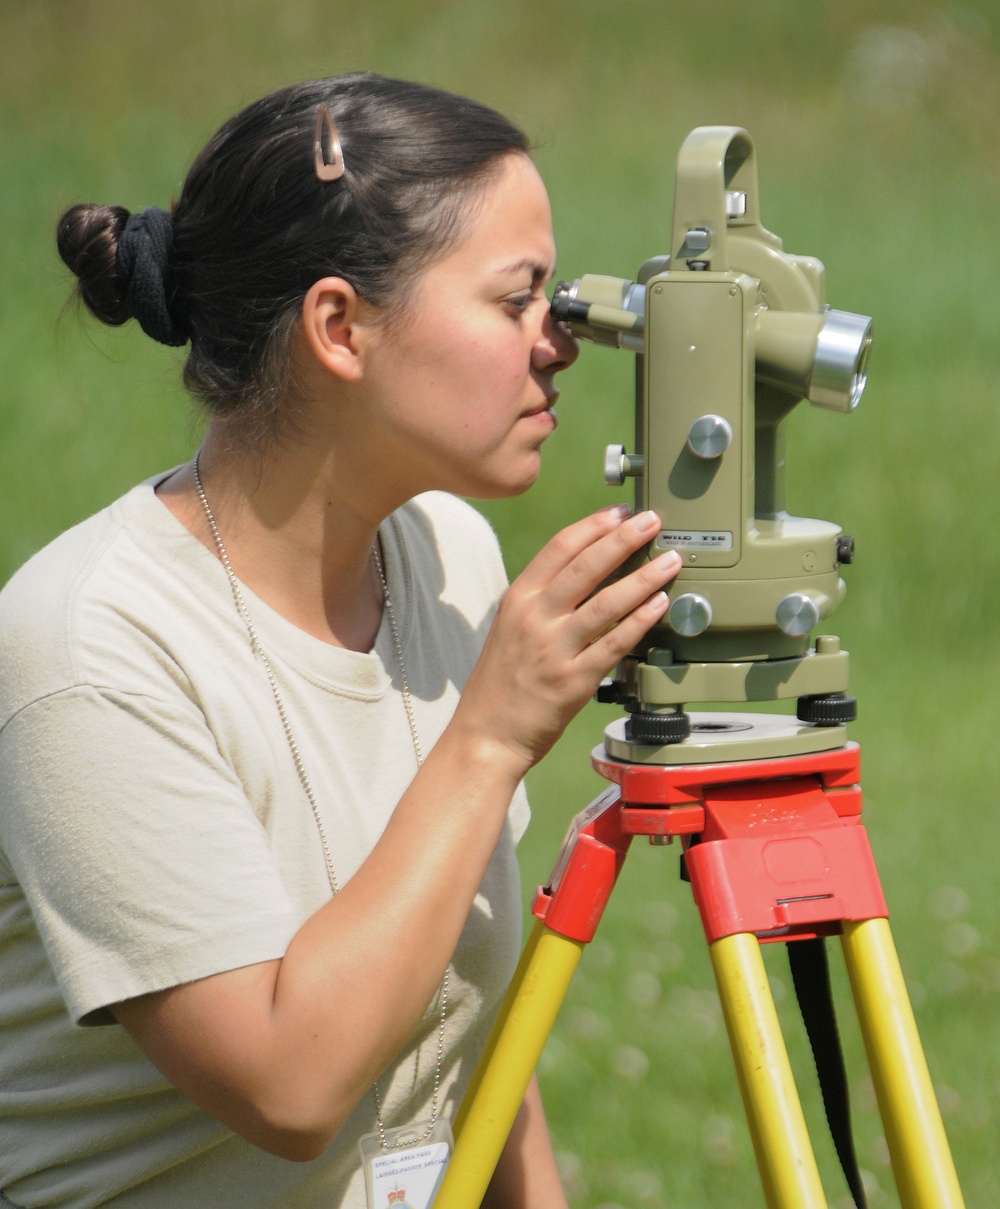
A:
(508, 228)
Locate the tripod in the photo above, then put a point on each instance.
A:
(774, 850)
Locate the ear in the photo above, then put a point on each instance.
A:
(331, 323)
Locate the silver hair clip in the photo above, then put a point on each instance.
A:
(329, 156)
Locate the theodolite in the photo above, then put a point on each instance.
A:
(730, 332)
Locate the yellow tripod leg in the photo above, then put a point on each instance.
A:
(506, 1065)
(921, 1159)
(785, 1157)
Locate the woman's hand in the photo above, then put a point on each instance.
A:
(558, 633)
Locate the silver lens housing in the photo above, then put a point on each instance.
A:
(839, 369)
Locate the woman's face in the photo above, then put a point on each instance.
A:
(461, 386)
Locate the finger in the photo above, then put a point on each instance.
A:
(608, 607)
(593, 565)
(570, 542)
(608, 650)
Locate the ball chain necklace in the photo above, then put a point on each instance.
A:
(300, 768)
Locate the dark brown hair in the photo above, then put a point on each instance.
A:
(254, 228)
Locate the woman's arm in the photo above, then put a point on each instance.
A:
(283, 1050)
(526, 1176)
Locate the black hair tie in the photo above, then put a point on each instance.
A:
(143, 261)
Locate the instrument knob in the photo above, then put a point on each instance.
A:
(796, 614)
(710, 436)
(690, 614)
(620, 465)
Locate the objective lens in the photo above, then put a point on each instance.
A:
(840, 367)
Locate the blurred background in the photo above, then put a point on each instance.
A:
(877, 127)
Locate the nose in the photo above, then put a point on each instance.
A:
(556, 347)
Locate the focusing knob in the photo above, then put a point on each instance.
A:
(620, 465)
(690, 614)
(657, 729)
(614, 465)
(710, 436)
(796, 614)
(845, 549)
(827, 709)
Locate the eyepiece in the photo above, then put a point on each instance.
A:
(564, 305)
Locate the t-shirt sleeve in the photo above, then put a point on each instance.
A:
(140, 857)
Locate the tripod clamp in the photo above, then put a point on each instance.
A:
(771, 847)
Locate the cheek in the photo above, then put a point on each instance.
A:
(473, 373)
(491, 367)
(510, 358)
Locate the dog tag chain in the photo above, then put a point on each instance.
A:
(404, 1166)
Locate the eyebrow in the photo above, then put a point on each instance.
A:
(539, 272)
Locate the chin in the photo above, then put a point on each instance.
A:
(520, 485)
(503, 481)
(503, 491)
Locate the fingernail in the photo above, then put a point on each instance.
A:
(669, 559)
(620, 512)
(647, 522)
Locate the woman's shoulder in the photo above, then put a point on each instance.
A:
(54, 575)
(72, 587)
(40, 589)
(450, 530)
(451, 548)
(450, 515)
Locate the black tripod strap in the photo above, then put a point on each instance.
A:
(811, 978)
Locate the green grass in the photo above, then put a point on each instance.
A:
(876, 128)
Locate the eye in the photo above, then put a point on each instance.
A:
(518, 304)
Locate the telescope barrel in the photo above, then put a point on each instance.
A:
(820, 356)
(605, 310)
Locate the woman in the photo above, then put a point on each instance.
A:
(254, 841)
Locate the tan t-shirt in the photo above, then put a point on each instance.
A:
(153, 830)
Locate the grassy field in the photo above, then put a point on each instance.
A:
(877, 129)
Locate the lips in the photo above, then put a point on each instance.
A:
(547, 406)
(539, 414)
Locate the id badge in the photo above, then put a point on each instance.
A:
(406, 1173)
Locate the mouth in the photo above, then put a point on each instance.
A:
(548, 408)
(545, 416)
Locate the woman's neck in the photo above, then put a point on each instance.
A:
(294, 535)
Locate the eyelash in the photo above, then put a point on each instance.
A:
(520, 303)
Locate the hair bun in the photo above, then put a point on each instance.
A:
(87, 237)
